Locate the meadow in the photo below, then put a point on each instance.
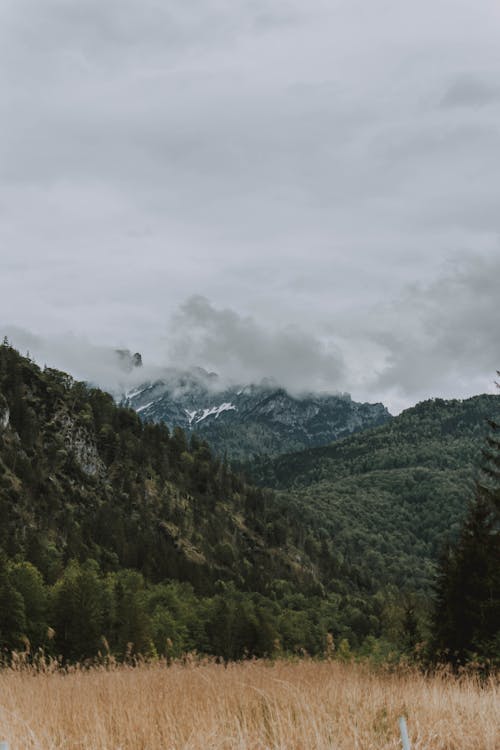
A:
(253, 705)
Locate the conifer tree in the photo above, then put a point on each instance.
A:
(467, 615)
(12, 611)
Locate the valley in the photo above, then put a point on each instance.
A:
(116, 527)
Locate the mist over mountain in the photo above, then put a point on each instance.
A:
(197, 337)
(250, 419)
(430, 340)
(260, 415)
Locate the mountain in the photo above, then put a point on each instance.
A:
(128, 361)
(389, 498)
(118, 534)
(246, 420)
(119, 537)
(81, 477)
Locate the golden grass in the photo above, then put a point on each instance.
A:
(252, 705)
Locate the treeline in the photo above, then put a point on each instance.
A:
(87, 613)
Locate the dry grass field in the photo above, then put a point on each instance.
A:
(253, 705)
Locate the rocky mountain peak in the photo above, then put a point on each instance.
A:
(127, 360)
(244, 420)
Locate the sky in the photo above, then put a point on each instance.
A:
(302, 190)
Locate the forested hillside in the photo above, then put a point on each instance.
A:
(117, 536)
(82, 478)
(390, 497)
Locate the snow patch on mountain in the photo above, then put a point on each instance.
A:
(190, 415)
(198, 415)
(216, 411)
(144, 407)
(134, 394)
(248, 419)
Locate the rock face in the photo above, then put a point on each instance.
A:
(254, 419)
(127, 360)
(4, 413)
(79, 442)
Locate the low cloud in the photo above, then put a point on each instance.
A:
(440, 339)
(432, 340)
(239, 349)
(436, 339)
(245, 350)
(99, 365)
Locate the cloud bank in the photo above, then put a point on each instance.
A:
(439, 339)
(245, 351)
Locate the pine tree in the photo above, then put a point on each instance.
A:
(466, 621)
(78, 608)
(12, 612)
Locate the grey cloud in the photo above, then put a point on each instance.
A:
(281, 158)
(469, 90)
(442, 338)
(244, 350)
(92, 35)
(83, 359)
(239, 348)
(434, 339)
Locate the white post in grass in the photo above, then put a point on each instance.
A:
(404, 734)
(4, 746)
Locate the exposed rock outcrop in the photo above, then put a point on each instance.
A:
(78, 441)
(4, 413)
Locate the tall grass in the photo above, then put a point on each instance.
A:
(251, 705)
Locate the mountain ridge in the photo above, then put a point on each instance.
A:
(395, 492)
(155, 540)
(243, 420)
(121, 490)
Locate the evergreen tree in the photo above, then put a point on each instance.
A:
(132, 624)
(78, 610)
(467, 614)
(28, 583)
(12, 612)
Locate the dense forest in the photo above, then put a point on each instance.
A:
(120, 537)
(101, 511)
(392, 497)
(466, 615)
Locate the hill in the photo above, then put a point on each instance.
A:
(82, 477)
(389, 498)
(118, 535)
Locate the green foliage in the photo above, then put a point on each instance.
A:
(27, 581)
(12, 610)
(383, 503)
(119, 537)
(78, 608)
(81, 478)
(466, 621)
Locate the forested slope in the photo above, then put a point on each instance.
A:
(81, 477)
(117, 535)
(389, 498)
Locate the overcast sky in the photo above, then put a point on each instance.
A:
(307, 190)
